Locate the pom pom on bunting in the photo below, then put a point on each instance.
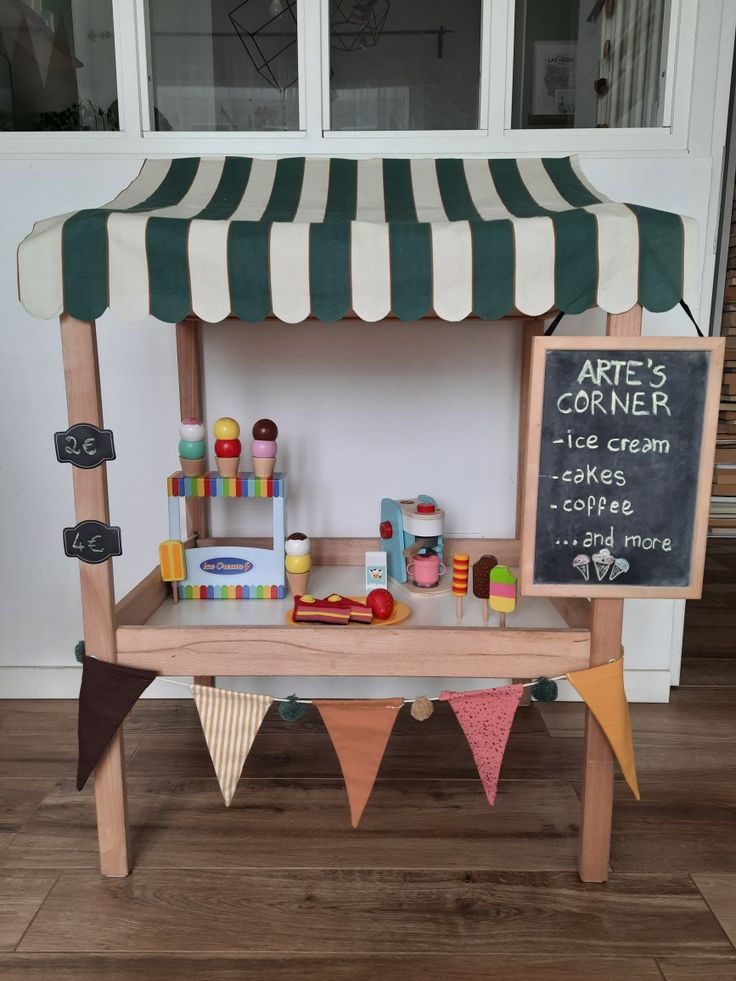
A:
(421, 709)
(544, 690)
(79, 651)
(292, 710)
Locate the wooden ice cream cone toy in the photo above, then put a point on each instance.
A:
(191, 447)
(298, 562)
(298, 582)
(227, 446)
(227, 466)
(191, 468)
(263, 467)
(264, 447)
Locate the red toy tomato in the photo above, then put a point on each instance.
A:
(381, 602)
(228, 447)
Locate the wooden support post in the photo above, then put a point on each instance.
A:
(605, 643)
(84, 402)
(530, 330)
(597, 791)
(191, 403)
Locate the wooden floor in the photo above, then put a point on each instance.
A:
(433, 885)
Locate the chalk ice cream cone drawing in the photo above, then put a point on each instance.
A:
(602, 562)
(619, 567)
(582, 564)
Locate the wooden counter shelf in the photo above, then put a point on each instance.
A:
(250, 637)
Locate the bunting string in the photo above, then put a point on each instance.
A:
(405, 701)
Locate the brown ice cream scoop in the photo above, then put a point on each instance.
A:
(482, 575)
(265, 429)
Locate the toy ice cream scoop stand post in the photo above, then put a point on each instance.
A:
(483, 256)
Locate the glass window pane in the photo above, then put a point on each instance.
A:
(57, 65)
(590, 63)
(398, 64)
(223, 65)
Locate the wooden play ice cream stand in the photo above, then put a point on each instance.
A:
(600, 518)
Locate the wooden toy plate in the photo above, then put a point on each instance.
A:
(400, 612)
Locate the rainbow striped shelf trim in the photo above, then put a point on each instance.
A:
(212, 485)
(232, 592)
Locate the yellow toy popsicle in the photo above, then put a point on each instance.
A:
(502, 595)
(173, 564)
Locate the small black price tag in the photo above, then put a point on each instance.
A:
(84, 445)
(92, 541)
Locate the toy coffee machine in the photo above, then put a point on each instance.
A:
(412, 538)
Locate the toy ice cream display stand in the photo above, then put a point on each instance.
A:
(226, 571)
(495, 239)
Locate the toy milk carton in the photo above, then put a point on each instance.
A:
(376, 571)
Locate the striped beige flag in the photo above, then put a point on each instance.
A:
(230, 721)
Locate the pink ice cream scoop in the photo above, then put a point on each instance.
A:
(263, 449)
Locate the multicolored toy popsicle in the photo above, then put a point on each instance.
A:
(173, 564)
(264, 447)
(482, 580)
(460, 565)
(191, 446)
(502, 596)
(227, 446)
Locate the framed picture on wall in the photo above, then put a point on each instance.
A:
(553, 92)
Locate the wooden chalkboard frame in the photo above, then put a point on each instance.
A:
(541, 345)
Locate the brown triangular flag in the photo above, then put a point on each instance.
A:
(359, 729)
(602, 690)
(108, 693)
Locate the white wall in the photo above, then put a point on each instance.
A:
(341, 379)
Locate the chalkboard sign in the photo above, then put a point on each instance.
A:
(92, 541)
(620, 461)
(84, 445)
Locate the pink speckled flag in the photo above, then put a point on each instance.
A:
(486, 718)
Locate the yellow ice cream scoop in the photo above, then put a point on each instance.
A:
(226, 428)
(298, 563)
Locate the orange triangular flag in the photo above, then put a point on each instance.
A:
(602, 690)
(359, 729)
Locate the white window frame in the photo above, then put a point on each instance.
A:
(494, 137)
(468, 136)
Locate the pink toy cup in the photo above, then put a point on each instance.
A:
(426, 570)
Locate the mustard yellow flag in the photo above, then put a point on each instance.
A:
(602, 690)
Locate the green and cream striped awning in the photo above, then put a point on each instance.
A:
(310, 236)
